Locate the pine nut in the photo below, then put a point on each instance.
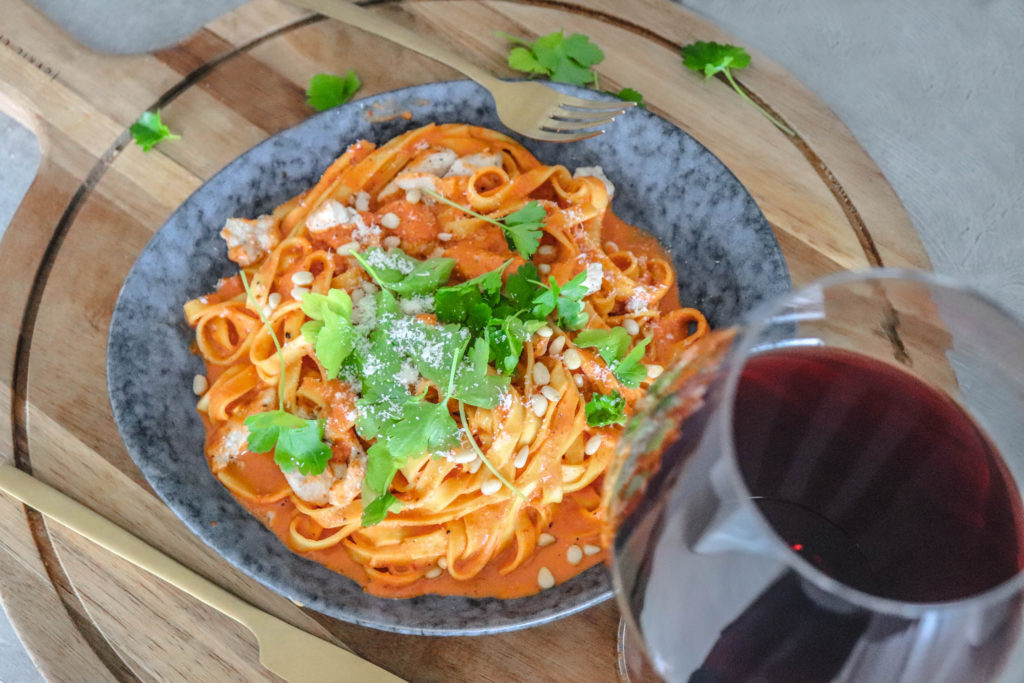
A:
(545, 539)
(578, 379)
(490, 487)
(413, 196)
(545, 331)
(302, 277)
(199, 385)
(267, 310)
(654, 371)
(463, 456)
(589, 549)
(541, 376)
(298, 292)
(544, 268)
(475, 466)
(545, 579)
(390, 220)
(443, 562)
(348, 248)
(521, 457)
(574, 554)
(593, 443)
(434, 573)
(444, 236)
(558, 344)
(390, 242)
(362, 201)
(274, 300)
(611, 247)
(539, 405)
(631, 326)
(546, 250)
(550, 393)
(437, 253)
(572, 359)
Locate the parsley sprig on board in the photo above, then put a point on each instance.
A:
(712, 58)
(326, 91)
(561, 59)
(523, 228)
(297, 443)
(148, 130)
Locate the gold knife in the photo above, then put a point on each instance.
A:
(289, 652)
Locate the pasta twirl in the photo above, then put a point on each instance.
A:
(515, 486)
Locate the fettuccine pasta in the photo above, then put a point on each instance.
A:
(509, 505)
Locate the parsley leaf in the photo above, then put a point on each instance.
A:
(330, 330)
(612, 345)
(327, 90)
(149, 130)
(630, 95)
(471, 301)
(376, 511)
(473, 385)
(522, 228)
(606, 409)
(565, 60)
(523, 287)
(297, 443)
(711, 58)
(567, 299)
(410, 277)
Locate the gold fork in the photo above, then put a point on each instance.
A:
(289, 652)
(530, 109)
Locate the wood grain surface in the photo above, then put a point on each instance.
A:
(87, 615)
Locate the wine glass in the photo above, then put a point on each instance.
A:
(830, 492)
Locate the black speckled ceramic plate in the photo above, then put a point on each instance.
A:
(666, 182)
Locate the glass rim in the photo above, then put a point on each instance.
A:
(755, 322)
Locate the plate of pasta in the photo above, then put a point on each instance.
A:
(381, 366)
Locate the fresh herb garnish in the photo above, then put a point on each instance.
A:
(149, 130)
(567, 299)
(630, 95)
(471, 302)
(405, 276)
(328, 90)
(606, 409)
(523, 228)
(611, 345)
(330, 329)
(712, 58)
(297, 443)
(564, 60)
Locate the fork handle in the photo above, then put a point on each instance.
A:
(389, 30)
(106, 534)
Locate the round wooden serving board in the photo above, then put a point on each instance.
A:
(87, 615)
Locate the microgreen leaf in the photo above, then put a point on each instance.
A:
(328, 90)
(522, 228)
(711, 58)
(606, 409)
(148, 130)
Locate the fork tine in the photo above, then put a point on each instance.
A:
(551, 136)
(581, 103)
(573, 116)
(565, 126)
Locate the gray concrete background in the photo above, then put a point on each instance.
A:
(931, 88)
